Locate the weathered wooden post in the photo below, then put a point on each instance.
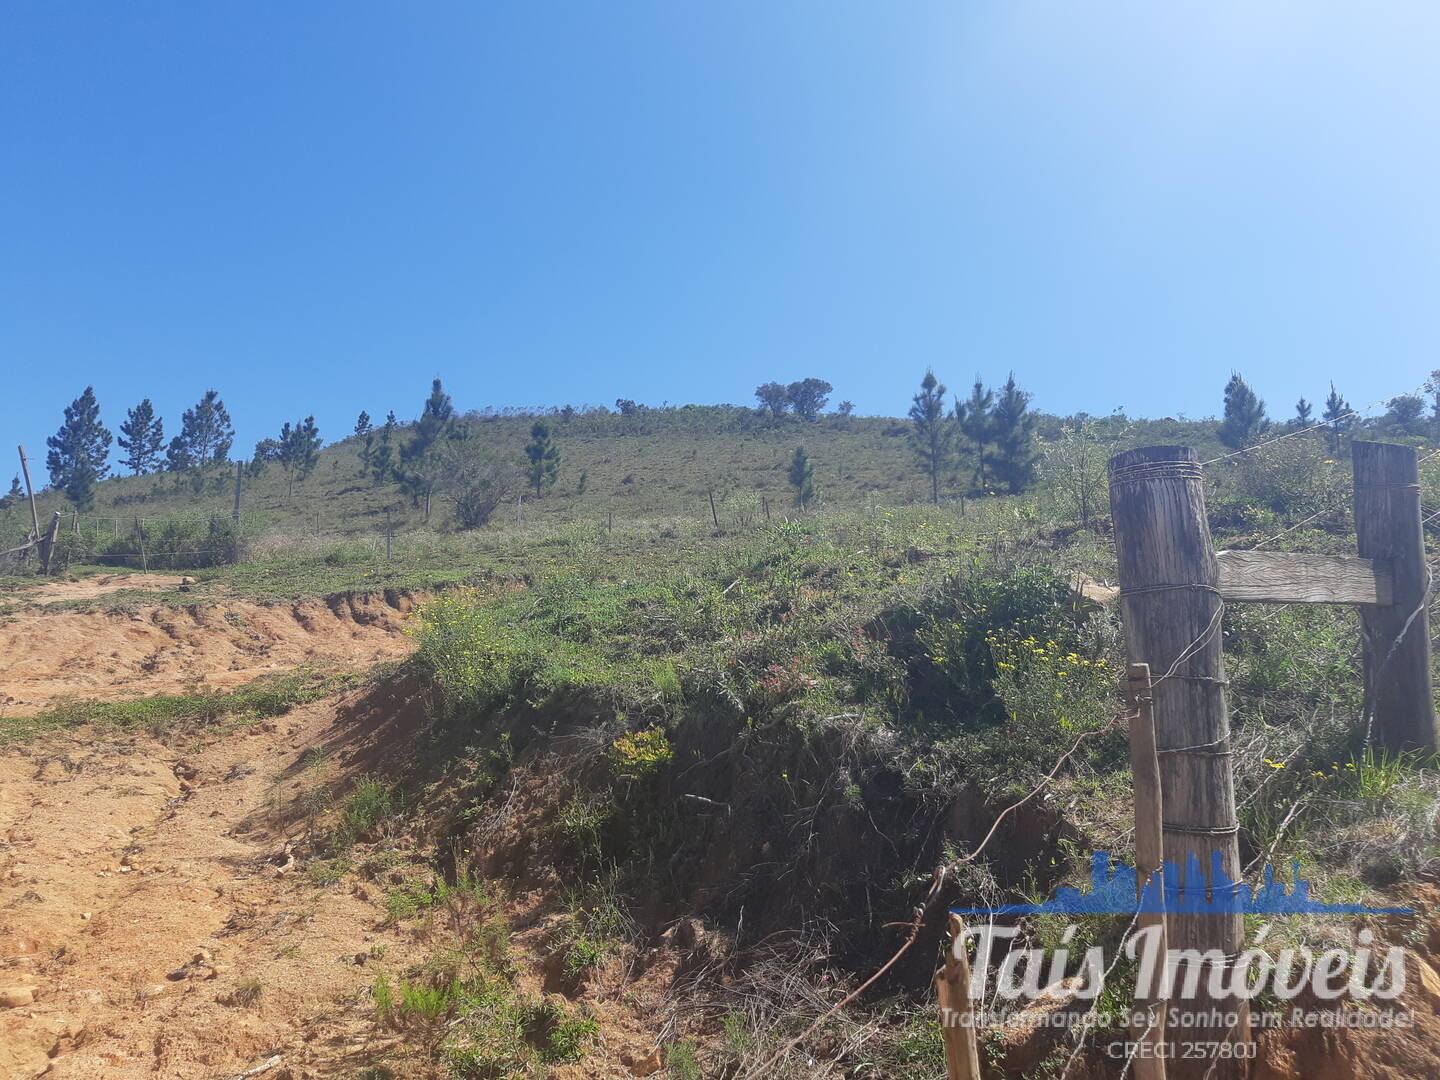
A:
(48, 542)
(30, 492)
(1398, 693)
(957, 1016)
(1169, 586)
(235, 513)
(713, 515)
(1147, 1059)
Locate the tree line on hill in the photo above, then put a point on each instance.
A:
(1246, 423)
(985, 443)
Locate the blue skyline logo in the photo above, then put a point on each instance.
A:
(1112, 891)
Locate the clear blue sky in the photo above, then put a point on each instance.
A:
(318, 206)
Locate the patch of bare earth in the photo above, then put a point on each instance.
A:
(152, 924)
(52, 592)
(46, 657)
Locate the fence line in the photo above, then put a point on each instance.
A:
(1352, 414)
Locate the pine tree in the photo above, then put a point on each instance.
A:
(298, 451)
(142, 437)
(437, 421)
(1404, 413)
(1013, 433)
(266, 451)
(976, 423)
(544, 458)
(1339, 416)
(419, 455)
(382, 457)
(1244, 419)
(14, 496)
(933, 437)
(78, 451)
(1303, 412)
(366, 431)
(206, 435)
(802, 478)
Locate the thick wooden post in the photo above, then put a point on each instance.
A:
(1147, 1062)
(1399, 698)
(48, 542)
(1172, 612)
(957, 1016)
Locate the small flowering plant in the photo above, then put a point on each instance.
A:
(640, 754)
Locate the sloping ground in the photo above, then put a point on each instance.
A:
(142, 906)
(48, 656)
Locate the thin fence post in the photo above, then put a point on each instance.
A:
(235, 513)
(1147, 1059)
(715, 517)
(30, 491)
(957, 1017)
(1169, 588)
(1399, 698)
(389, 541)
(765, 505)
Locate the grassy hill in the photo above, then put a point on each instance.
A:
(657, 463)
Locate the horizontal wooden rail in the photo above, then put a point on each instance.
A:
(1285, 577)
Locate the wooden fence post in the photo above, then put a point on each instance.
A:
(952, 992)
(48, 542)
(1398, 695)
(1147, 1060)
(30, 491)
(1169, 586)
(713, 515)
(235, 513)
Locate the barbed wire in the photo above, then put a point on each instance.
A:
(1352, 414)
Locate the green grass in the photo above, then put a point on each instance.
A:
(271, 695)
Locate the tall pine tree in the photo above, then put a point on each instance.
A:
(78, 451)
(420, 455)
(298, 451)
(974, 420)
(142, 437)
(382, 456)
(1245, 420)
(933, 436)
(206, 435)
(365, 430)
(1012, 429)
(1339, 416)
(802, 478)
(544, 458)
(1303, 411)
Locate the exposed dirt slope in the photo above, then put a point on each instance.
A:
(139, 894)
(47, 656)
